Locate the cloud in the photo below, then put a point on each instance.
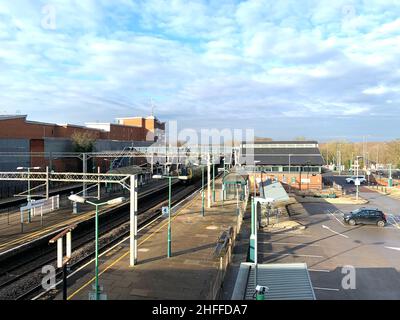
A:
(232, 63)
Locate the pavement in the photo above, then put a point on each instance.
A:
(192, 272)
(339, 200)
(333, 250)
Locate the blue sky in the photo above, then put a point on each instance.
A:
(319, 69)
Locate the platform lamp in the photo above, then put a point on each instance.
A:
(159, 176)
(79, 199)
(28, 198)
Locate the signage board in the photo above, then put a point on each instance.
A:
(164, 211)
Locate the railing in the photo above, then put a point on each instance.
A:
(53, 203)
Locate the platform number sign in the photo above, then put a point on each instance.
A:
(164, 211)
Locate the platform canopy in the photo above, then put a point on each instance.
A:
(236, 178)
(274, 190)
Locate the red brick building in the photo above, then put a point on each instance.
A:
(297, 164)
(34, 136)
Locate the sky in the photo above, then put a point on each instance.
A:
(318, 69)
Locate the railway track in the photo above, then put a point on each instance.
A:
(21, 280)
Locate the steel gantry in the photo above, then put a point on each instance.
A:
(128, 182)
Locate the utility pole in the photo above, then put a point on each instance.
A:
(390, 180)
(357, 180)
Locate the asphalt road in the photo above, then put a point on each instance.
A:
(327, 245)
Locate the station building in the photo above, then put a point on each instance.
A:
(296, 164)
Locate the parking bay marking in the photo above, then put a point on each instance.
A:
(327, 289)
(393, 248)
(331, 214)
(339, 234)
(291, 254)
(292, 243)
(319, 270)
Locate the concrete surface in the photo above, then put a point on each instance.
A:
(190, 273)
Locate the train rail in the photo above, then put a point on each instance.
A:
(23, 279)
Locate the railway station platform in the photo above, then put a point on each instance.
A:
(12, 237)
(195, 269)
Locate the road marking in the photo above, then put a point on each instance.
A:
(296, 234)
(393, 248)
(319, 270)
(291, 254)
(292, 243)
(327, 289)
(396, 225)
(339, 234)
(330, 213)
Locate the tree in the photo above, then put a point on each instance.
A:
(83, 141)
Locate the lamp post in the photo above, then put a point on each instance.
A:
(254, 231)
(115, 201)
(213, 180)
(158, 176)
(28, 198)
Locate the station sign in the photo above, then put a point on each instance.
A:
(164, 211)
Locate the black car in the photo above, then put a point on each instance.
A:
(365, 216)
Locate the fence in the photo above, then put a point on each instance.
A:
(46, 206)
(41, 207)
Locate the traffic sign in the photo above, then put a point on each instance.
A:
(357, 182)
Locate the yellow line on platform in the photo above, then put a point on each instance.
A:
(126, 253)
(32, 235)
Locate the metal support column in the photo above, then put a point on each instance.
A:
(208, 182)
(169, 216)
(47, 183)
(29, 195)
(133, 220)
(252, 235)
(84, 170)
(98, 184)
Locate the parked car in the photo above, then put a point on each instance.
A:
(365, 216)
(354, 178)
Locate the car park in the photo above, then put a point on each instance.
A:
(365, 216)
